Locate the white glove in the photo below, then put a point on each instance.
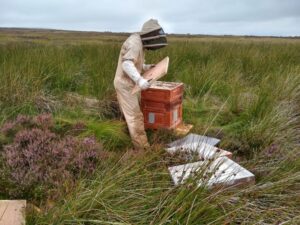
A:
(143, 84)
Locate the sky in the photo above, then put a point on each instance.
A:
(215, 17)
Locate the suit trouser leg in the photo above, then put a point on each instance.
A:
(130, 107)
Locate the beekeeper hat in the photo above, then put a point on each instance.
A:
(149, 26)
(152, 35)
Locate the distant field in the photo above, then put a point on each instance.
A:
(243, 90)
(45, 35)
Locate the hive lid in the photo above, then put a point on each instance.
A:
(204, 151)
(154, 73)
(163, 85)
(219, 172)
(194, 138)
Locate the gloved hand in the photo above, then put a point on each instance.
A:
(143, 84)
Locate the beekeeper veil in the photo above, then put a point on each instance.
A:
(153, 36)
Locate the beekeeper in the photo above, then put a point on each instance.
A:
(128, 74)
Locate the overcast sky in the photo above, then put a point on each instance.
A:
(237, 17)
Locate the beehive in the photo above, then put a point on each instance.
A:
(161, 105)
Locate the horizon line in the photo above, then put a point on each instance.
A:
(174, 34)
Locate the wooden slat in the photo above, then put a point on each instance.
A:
(12, 212)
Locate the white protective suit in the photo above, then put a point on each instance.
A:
(128, 74)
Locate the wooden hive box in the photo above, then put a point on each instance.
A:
(161, 105)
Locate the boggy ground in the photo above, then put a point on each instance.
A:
(245, 91)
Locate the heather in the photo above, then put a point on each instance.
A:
(243, 90)
(37, 160)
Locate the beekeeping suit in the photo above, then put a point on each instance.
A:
(128, 74)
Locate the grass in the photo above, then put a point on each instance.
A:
(246, 91)
(128, 193)
(111, 132)
(140, 192)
